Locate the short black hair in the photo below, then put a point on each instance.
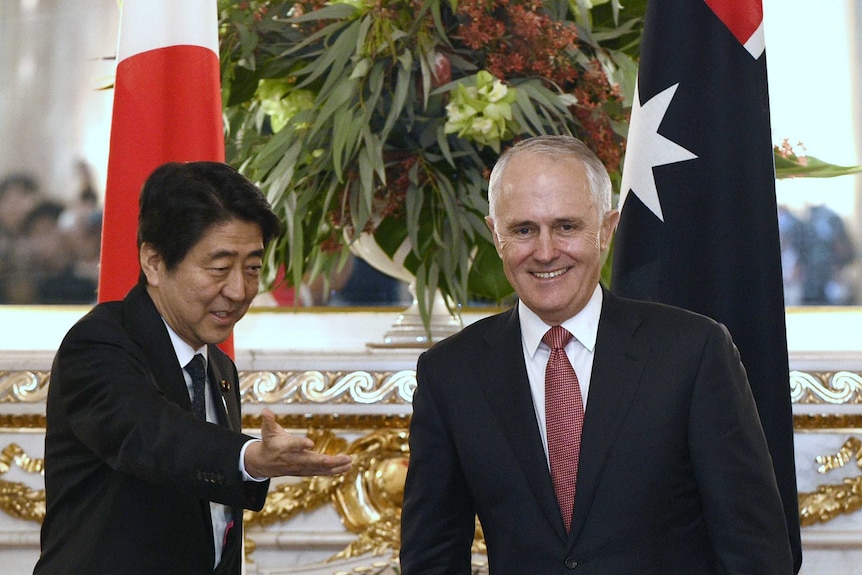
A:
(179, 202)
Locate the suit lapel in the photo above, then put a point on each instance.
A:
(145, 325)
(223, 385)
(507, 390)
(617, 367)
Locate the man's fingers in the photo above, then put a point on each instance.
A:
(319, 464)
(268, 425)
(341, 469)
(292, 454)
(270, 429)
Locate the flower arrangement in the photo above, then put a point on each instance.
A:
(482, 113)
(384, 118)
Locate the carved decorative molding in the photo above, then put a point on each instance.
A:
(818, 387)
(368, 499)
(266, 387)
(16, 421)
(17, 499)
(846, 422)
(388, 387)
(332, 421)
(23, 386)
(363, 421)
(359, 387)
(829, 501)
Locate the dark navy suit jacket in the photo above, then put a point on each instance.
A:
(129, 470)
(674, 478)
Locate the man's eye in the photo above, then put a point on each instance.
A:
(522, 231)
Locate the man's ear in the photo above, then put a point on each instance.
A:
(609, 225)
(151, 263)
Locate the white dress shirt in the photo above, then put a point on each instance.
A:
(221, 514)
(580, 350)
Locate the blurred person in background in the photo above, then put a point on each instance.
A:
(19, 194)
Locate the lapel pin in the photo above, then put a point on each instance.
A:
(225, 386)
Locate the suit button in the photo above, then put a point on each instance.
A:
(571, 563)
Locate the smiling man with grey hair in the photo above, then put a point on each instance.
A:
(590, 434)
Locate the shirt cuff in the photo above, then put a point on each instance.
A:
(245, 475)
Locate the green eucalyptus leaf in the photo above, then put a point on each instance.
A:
(399, 97)
(361, 69)
(338, 98)
(415, 202)
(333, 60)
(486, 279)
(390, 234)
(526, 114)
(810, 167)
(335, 11)
(242, 86)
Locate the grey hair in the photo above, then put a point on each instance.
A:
(560, 148)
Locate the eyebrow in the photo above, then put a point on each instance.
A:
(521, 223)
(232, 253)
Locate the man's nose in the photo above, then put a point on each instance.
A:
(234, 287)
(545, 248)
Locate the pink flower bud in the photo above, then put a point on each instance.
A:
(442, 70)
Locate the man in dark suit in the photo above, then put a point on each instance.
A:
(669, 471)
(137, 482)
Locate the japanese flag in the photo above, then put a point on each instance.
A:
(167, 107)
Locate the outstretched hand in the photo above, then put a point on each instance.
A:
(280, 453)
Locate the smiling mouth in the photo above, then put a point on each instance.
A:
(550, 275)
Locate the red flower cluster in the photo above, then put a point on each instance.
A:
(593, 93)
(518, 38)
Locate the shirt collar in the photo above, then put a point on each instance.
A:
(584, 326)
(183, 351)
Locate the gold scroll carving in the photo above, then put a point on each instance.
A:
(23, 386)
(826, 387)
(18, 499)
(829, 501)
(368, 498)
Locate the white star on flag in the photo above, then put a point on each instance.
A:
(648, 149)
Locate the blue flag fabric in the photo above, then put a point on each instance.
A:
(699, 224)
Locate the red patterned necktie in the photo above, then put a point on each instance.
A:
(564, 419)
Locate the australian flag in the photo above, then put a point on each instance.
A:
(699, 224)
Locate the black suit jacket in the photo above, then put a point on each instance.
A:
(129, 470)
(674, 478)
